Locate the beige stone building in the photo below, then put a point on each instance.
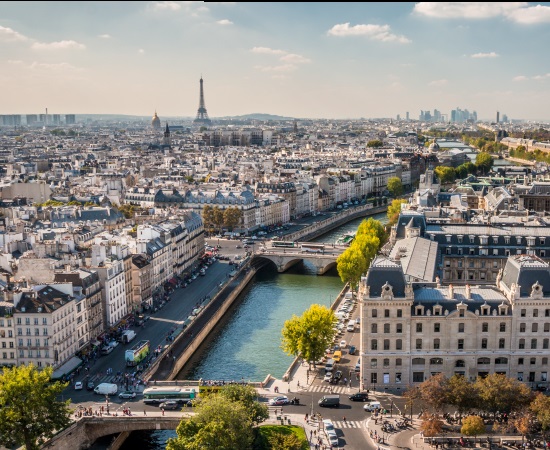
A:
(411, 331)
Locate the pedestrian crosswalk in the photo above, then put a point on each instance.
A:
(330, 389)
(348, 424)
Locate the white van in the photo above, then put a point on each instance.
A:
(329, 365)
(372, 406)
(351, 325)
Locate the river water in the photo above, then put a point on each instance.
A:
(247, 345)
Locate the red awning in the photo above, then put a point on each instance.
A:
(174, 281)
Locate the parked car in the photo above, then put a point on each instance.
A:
(170, 404)
(279, 401)
(352, 350)
(78, 386)
(328, 377)
(127, 394)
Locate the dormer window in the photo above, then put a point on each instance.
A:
(459, 239)
(518, 240)
(419, 310)
(495, 239)
(472, 238)
(485, 310)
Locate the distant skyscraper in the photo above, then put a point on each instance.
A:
(498, 117)
(202, 115)
(32, 119)
(70, 119)
(407, 115)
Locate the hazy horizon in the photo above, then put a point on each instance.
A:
(317, 61)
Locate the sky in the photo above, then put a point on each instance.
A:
(305, 60)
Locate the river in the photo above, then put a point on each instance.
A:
(247, 345)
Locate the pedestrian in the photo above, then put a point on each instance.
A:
(298, 383)
(162, 409)
(144, 412)
(306, 418)
(344, 419)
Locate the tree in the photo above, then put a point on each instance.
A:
(500, 393)
(285, 441)
(217, 217)
(232, 217)
(218, 424)
(247, 396)
(484, 162)
(462, 393)
(431, 425)
(473, 426)
(375, 143)
(541, 408)
(30, 411)
(310, 334)
(372, 226)
(128, 210)
(435, 392)
(356, 259)
(445, 174)
(395, 186)
(394, 209)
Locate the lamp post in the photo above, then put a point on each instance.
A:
(391, 408)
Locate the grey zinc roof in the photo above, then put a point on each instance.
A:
(418, 257)
(382, 271)
(525, 271)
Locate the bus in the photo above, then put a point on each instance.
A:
(313, 248)
(155, 395)
(283, 244)
(137, 353)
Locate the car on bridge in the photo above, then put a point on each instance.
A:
(127, 394)
(170, 404)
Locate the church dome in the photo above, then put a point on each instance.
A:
(434, 146)
(156, 121)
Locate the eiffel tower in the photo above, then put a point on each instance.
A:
(202, 115)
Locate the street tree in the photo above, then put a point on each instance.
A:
(431, 425)
(30, 411)
(484, 162)
(208, 218)
(473, 426)
(462, 393)
(395, 186)
(351, 265)
(232, 217)
(499, 393)
(310, 334)
(541, 408)
(218, 424)
(394, 209)
(435, 392)
(375, 143)
(371, 226)
(217, 218)
(247, 396)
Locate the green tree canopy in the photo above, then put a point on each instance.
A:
(30, 411)
(462, 394)
(232, 217)
(247, 396)
(310, 334)
(484, 162)
(541, 408)
(500, 393)
(473, 426)
(375, 143)
(218, 424)
(285, 441)
(371, 226)
(394, 209)
(445, 174)
(351, 265)
(395, 186)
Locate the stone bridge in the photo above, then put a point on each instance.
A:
(83, 433)
(284, 259)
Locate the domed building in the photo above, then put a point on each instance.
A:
(434, 146)
(155, 123)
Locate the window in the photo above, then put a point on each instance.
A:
(484, 343)
(436, 344)
(461, 328)
(386, 344)
(533, 344)
(418, 327)
(534, 327)
(398, 362)
(522, 328)
(398, 377)
(501, 360)
(523, 312)
(545, 343)
(547, 327)
(535, 313)
(374, 313)
(533, 361)
(521, 344)
(437, 327)
(436, 361)
(44, 321)
(544, 361)
(448, 251)
(419, 344)
(386, 363)
(399, 313)
(461, 313)
(399, 328)
(460, 345)
(374, 328)
(373, 363)
(374, 378)
(520, 376)
(502, 327)
(418, 377)
(460, 363)
(374, 344)
(399, 344)
(483, 361)
(418, 361)
(520, 361)
(386, 313)
(484, 327)
(386, 328)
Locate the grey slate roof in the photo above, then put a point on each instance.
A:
(418, 257)
(525, 271)
(382, 271)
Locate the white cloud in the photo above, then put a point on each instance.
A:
(438, 83)
(372, 31)
(191, 7)
(9, 35)
(104, 36)
(541, 77)
(15, 61)
(60, 45)
(279, 68)
(519, 12)
(485, 55)
(296, 59)
(166, 6)
(224, 22)
(520, 78)
(268, 51)
(141, 51)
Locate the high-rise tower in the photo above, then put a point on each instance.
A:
(202, 115)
